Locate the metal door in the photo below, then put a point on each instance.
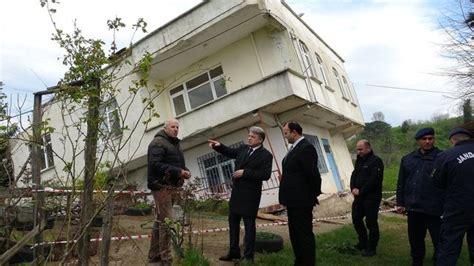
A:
(332, 165)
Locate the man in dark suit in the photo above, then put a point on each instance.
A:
(300, 186)
(253, 164)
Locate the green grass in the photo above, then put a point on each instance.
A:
(192, 257)
(390, 177)
(335, 248)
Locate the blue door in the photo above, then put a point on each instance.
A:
(332, 164)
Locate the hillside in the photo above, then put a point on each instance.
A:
(391, 143)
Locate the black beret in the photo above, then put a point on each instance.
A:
(460, 130)
(423, 132)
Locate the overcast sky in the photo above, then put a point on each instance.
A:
(393, 43)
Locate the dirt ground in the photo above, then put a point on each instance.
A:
(214, 244)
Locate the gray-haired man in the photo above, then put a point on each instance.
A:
(253, 164)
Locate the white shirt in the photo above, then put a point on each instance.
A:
(253, 149)
(295, 143)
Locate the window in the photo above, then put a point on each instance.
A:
(110, 125)
(321, 69)
(339, 84)
(321, 162)
(46, 152)
(348, 89)
(307, 63)
(217, 171)
(200, 90)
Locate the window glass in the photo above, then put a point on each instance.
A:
(176, 90)
(200, 95)
(321, 162)
(202, 89)
(338, 80)
(179, 106)
(216, 170)
(197, 81)
(219, 86)
(308, 66)
(321, 69)
(216, 72)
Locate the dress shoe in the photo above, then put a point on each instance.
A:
(246, 260)
(166, 263)
(229, 257)
(368, 253)
(154, 259)
(360, 246)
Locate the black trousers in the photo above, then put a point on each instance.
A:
(370, 210)
(450, 242)
(418, 224)
(234, 234)
(300, 227)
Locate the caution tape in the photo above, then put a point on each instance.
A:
(69, 191)
(199, 232)
(147, 192)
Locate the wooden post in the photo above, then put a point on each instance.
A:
(107, 222)
(38, 197)
(90, 157)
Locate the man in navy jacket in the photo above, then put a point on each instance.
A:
(419, 197)
(455, 173)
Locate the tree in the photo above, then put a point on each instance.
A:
(467, 111)
(459, 28)
(378, 116)
(7, 130)
(406, 126)
(82, 98)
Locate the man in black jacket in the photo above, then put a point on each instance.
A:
(300, 186)
(253, 164)
(166, 174)
(455, 173)
(419, 197)
(366, 186)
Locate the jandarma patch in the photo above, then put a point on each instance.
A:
(465, 156)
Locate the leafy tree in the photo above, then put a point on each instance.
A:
(7, 130)
(406, 125)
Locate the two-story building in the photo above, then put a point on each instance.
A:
(223, 66)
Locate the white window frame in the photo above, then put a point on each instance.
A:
(106, 111)
(308, 65)
(185, 90)
(314, 140)
(46, 150)
(321, 69)
(339, 84)
(348, 88)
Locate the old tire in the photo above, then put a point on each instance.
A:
(270, 243)
(131, 211)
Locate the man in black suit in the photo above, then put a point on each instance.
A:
(300, 186)
(253, 164)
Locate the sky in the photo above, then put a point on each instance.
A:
(387, 43)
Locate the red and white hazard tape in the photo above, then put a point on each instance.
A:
(143, 192)
(61, 191)
(204, 231)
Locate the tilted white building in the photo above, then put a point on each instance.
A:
(226, 65)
